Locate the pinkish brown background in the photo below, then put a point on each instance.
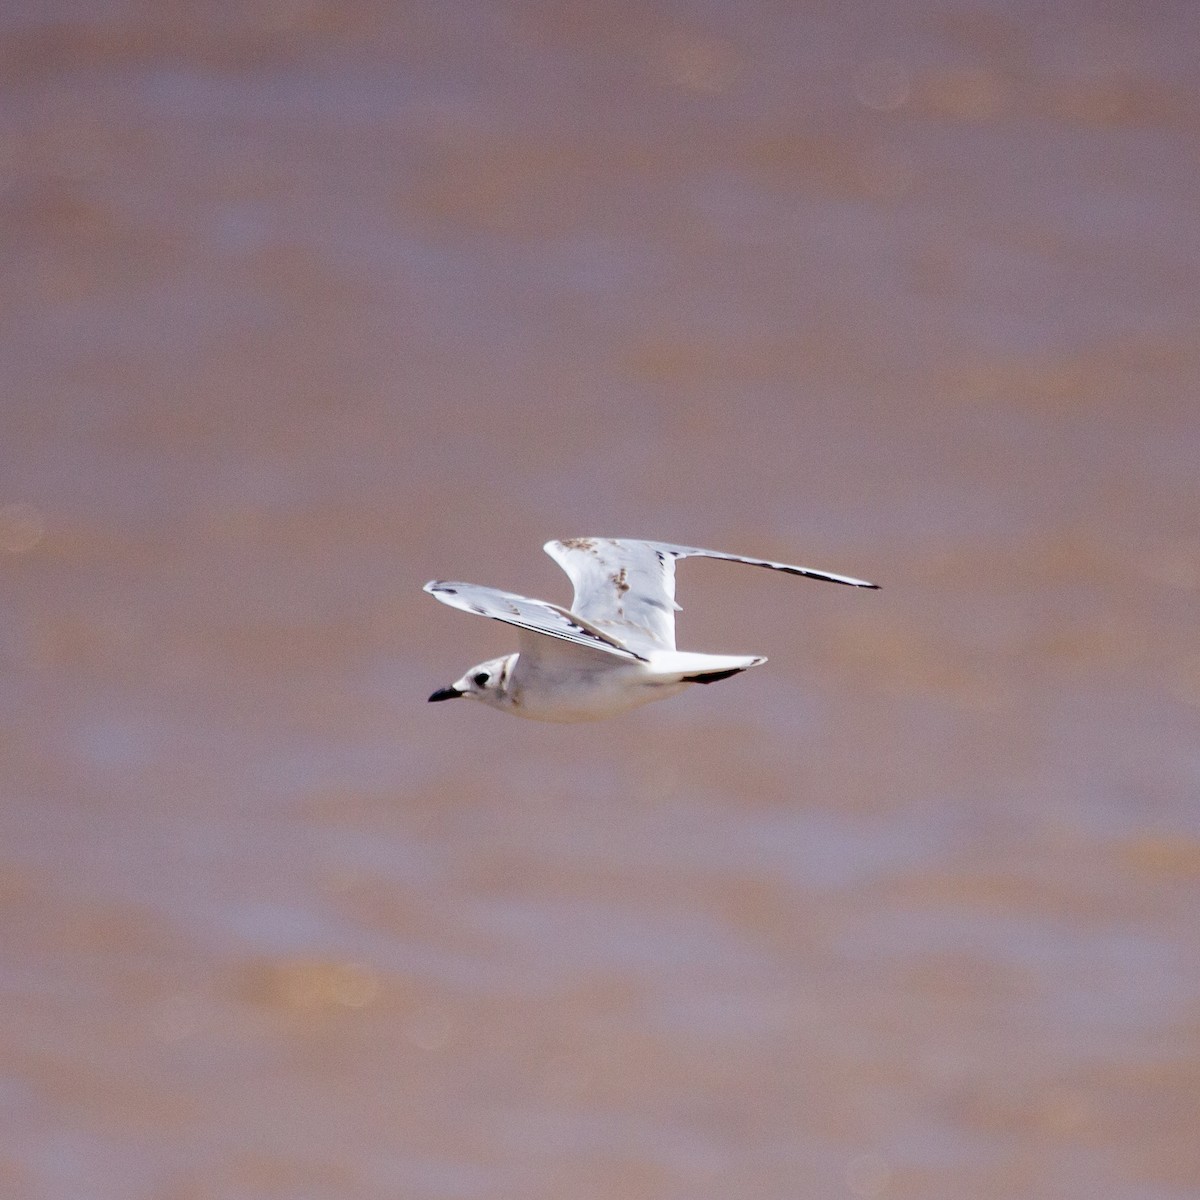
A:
(306, 302)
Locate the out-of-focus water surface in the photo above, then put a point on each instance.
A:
(304, 303)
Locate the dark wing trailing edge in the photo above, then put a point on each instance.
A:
(786, 568)
(534, 616)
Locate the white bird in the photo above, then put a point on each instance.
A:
(613, 650)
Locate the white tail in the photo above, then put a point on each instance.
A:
(701, 668)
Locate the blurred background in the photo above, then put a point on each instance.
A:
(304, 302)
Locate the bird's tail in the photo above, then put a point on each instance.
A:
(702, 668)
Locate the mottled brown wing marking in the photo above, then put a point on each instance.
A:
(625, 588)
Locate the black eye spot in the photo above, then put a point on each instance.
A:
(480, 679)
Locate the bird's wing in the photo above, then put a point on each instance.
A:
(787, 568)
(531, 616)
(625, 588)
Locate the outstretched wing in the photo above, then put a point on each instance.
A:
(626, 588)
(532, 616)
(786, 568)
(623, 587)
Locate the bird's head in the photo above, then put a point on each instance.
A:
(485, 681)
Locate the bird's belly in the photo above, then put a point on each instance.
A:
(590, 697)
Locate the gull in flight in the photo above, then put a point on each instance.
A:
(613, 649)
